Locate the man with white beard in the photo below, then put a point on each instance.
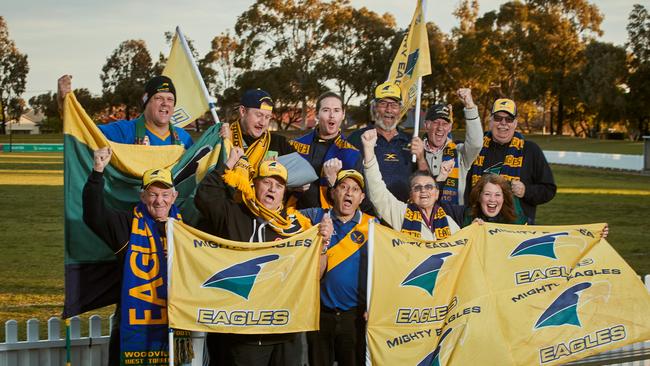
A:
(393, 149)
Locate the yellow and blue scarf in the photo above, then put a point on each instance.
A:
(256, 152)
(285, 223)
(340, 148)
(412, 224)
(511, 169)
(449, 190)
(143, 323)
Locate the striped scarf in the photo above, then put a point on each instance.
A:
(340, 148)
(256, 152)
(287, 223)
(449, 190)
(511, 169)
(143, 322)
(413, 220)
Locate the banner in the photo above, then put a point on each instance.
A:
(92, 274)
(218, 285)
(191, 93)
(498, 294)
(412, 60)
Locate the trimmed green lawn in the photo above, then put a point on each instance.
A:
(620, 199)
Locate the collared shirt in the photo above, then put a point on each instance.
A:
(344, 287)
(394, 158)
(123, 131)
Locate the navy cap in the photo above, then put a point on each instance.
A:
(438, 111)
(257, 98)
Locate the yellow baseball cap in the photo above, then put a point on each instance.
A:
(505, 105)
(160, 175)
(388, 90)
(350, 173)
(271, 168)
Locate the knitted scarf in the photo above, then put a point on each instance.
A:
(141, 137)
(413, 220)
(256, 152)
(287, 223)
(449, 190)
(143, 322)
(511, 169)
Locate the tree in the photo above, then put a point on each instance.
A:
(638, 32)
(599, 86)
(288, 34)
(559, 32)
(13, 75)
(222, 59)
(357, 47)
(125, 73)
(638, 108)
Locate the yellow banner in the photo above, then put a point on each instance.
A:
(191, 102)
(412, 60)
(218, 285)
(501, 295)
(129, 159)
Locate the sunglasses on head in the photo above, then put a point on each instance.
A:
(497, 118)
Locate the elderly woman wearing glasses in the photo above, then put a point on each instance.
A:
(422, 217)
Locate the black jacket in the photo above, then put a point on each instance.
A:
(536, 175)
(234, 221)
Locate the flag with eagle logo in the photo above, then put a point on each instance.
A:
(497, 294)
(412, 60)
(223, 286)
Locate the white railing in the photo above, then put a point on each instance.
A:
(93, 350)
(596, 160)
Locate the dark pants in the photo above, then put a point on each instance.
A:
(228, 349)
(341, 338)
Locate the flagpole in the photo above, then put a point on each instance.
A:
(171, 347)
(204, 89)
(416, 122)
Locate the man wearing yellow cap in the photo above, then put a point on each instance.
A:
(393, 148)
(137, 237)
(522, 162)
(237, 209)
(343, 287)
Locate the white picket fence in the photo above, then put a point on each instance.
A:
(93, 350)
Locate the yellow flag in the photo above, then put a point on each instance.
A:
(223, 286)
(412, 60)
(191, 93)
(501, 295)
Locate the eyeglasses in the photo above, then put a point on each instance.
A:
(497, 118)
(385, 104)
(419, 187)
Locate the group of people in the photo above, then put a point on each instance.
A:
(370, 175)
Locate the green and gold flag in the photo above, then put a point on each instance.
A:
(92, 276)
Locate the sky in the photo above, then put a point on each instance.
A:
(77, 36)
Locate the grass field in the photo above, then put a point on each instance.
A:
(546, 142)
(31, 226)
